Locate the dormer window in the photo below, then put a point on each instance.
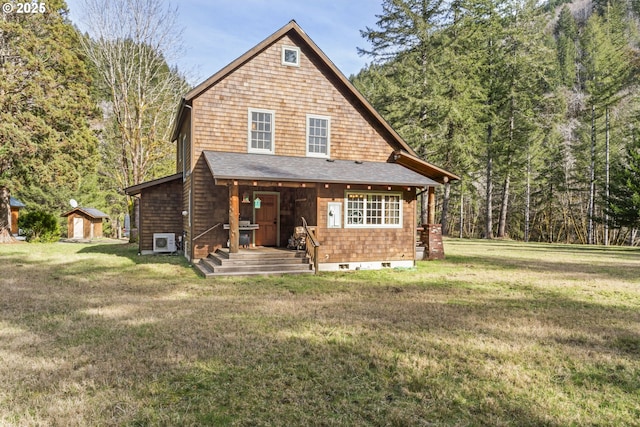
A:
(291, 56)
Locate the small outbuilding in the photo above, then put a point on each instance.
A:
(84, 223)
(16, 205)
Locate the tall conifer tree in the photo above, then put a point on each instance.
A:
(44, 108)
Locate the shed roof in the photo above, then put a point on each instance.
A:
(91, 212)
(266, 167)
(15, 203)
(136, 189)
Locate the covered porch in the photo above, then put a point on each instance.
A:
(268, 196)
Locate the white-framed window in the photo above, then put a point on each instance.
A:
(291, 56)
(261, 131)
(318, 136)
(373, 210)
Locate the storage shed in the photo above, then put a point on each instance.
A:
(84, 223)
(16, 205)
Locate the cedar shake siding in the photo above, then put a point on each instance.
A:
(221, 112)
(15, 214)
(350, 245)
(84, 223)
(220, 173)
(160, 212)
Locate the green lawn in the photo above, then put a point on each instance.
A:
(500, 333)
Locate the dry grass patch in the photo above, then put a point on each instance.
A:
(500, 333)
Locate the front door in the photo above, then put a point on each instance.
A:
(267, 218)
(78, 228)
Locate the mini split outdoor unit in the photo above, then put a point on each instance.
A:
(164, 242)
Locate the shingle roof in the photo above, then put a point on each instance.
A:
(15, 203)
(136, 189)
(265, 167)
(92, 212)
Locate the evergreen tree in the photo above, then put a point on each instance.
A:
(45, 107)
(623, 205)
(432, 98)
(606, 68)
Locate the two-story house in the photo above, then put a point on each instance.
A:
(278, 135)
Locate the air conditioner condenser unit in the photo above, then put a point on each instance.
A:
(164, 242)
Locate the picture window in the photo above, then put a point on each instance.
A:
(373, 210)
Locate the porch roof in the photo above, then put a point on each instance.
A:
(267, 167)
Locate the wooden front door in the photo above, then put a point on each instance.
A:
(267, 219)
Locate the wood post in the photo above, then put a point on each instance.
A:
(432, 205)
(431, 235)
(234, 218)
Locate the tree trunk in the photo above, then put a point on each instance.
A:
(592, 179)
(424, 208)
(527, 202)
(5, 216)
(489, 196)
(445, 207)
(461, 213)
(502, 221)
(606, 145)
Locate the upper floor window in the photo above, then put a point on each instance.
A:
(261, 131)
(291, 56)
(318, 136)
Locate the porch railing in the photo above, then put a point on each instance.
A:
(206, 231)
(312, 244)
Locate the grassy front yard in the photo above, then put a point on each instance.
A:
(500, 333)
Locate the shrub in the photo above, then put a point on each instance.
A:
(40, 226)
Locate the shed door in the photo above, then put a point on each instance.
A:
(267, 218)
(78, 228)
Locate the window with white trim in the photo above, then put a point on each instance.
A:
(318, 135)
(373, 210)
(261, 131)
(291, 56)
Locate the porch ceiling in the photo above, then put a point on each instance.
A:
(266, 167)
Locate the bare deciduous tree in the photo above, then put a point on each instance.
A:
(131, 43)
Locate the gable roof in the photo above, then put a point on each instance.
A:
(91, 212)
(293, 28)
(15, 203)
(267, 167)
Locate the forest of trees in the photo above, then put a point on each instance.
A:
(83, 116)
(535, 104)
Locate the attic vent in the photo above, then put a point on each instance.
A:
(291, 56)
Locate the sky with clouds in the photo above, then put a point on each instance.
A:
(218, 31)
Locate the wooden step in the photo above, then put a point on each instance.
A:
(219, 259)
(267, 261)
(249, 254)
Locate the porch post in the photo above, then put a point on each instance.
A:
(234, 218)
(432, 205)
(431, 235)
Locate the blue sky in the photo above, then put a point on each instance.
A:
(218, 31)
